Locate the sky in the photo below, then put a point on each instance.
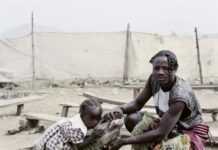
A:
(154, 16)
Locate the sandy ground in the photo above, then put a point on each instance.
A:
(55, 96)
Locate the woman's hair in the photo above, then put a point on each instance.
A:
(87, 104)
(171, 58)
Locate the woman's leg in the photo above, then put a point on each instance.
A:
(140, 128)
(132, 120)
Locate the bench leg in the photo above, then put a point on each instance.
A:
(136, 92)
(64, 111)
(214, 115)
(32, 123)
(19, 109)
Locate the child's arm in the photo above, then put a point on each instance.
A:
(96, 134)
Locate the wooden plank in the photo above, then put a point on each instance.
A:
(210, 110)
(18, 101)
(44, 117)
(194, 86)
(109, 101)
(33, 119)
(102, 99)
(70, 104)
(205, 87)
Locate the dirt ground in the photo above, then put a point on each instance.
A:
(55, 96)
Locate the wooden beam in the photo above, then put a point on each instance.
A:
(19, 101)
(109, 101)
(44, 117)
(194, 86)
(102, 99)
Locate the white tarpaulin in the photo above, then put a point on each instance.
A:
(61, 56)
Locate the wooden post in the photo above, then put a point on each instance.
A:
(32, 123)
(33, 51)
(136, 92)
(198, 56)
(214, 116)
(126, 56)
(19, 109)
(64, 111)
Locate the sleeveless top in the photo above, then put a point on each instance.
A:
(181, 91)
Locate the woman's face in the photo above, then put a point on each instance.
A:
(162, 72)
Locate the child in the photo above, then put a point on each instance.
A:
(71, 131)
(111, 131)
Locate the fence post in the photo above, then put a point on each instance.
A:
(126, 56)
(33, 51)
(198, 56)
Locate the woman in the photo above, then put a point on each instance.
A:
(179, 125)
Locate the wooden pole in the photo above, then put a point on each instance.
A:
(198, 56)
(126, 56)
(33, 50)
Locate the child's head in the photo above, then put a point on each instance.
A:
(90, 112)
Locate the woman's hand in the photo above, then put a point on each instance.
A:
(117, 144)
(116, 113)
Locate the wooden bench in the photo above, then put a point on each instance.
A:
(20, 102)
(34, 118)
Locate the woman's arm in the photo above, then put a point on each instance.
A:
(132, 106)
(139, 102)
(167, 123)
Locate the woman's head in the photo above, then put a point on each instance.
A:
(90, 112)
(171, 59)
(165, 65)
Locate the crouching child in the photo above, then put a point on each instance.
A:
(67, 133)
